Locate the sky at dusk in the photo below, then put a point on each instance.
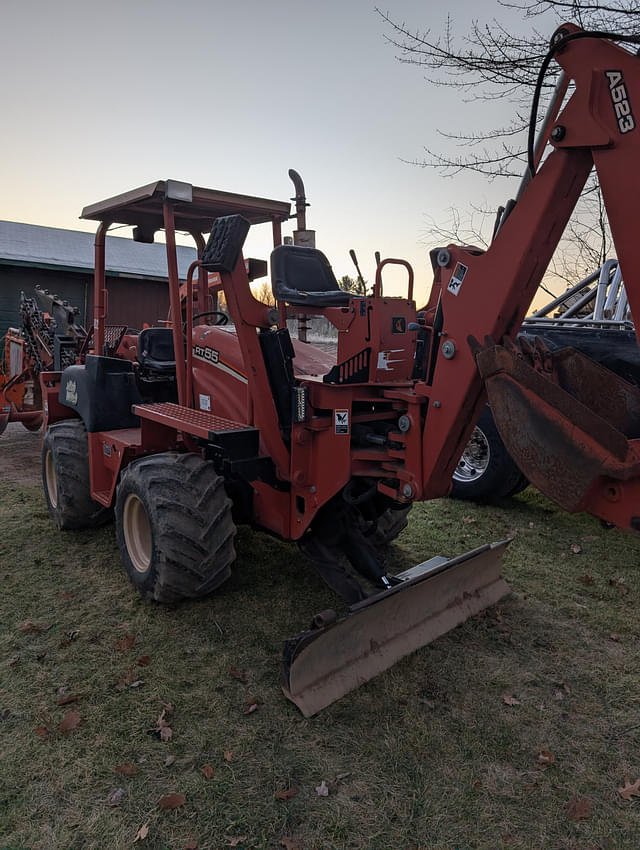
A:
(101, 97)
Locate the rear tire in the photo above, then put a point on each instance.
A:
(174, 527)
(486, 471)
(522, 484)
(390, 523)
(65, 477)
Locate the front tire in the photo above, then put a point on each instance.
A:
(65, 477)
(174, 527)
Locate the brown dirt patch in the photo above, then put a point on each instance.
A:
(20, 455)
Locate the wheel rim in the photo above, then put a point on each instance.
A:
(137, 532)
(51, 479)
(475, 458)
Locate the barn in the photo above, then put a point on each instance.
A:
(62, 262)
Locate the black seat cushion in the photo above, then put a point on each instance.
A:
(155, 350)
(304, 276)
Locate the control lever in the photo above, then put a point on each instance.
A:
(352, 254)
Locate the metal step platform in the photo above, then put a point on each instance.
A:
(199, 423)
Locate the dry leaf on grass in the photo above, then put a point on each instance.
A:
(126, 769)
(507, 699)
(65, 699)
(41, 731)
(171, 801)
(619, 585)
(207, 771)
(164, 731)
(125, 643)
(69, 638)
(142, 833)
(240, 675)
(29, 626)
(233, 842)
(322, 790)
(65, 594)
(576, 548)
(129, 680)
(285, 793)
(251, 705)
(631, 789)
(545, 757)
(579, 808)
(586, 579)
(169, 761)
(192, 844)
(144, 661)
(614, 637)
(114, 798)
(228, 755)
(71, 720)
(291, 843)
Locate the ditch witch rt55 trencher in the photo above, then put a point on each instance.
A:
(206, 425)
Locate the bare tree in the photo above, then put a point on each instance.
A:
(264, 293)
(488, 62)
(353, 285)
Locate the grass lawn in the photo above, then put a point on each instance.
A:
(428, 755)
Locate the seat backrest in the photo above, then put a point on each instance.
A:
(302, 270)
(156, 344)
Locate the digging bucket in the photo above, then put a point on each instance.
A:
(566, 429)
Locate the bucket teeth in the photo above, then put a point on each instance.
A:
(526, 348)
(512, 346)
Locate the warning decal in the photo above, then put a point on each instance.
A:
(456, 278)
(342, 421)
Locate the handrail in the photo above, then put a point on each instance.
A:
(377, 288)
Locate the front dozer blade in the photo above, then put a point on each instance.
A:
(339, 654)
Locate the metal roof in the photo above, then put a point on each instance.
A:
(51, 247)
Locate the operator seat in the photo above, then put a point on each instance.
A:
(155, 351)
(303, 277)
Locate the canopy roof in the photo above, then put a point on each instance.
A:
(195, 208)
